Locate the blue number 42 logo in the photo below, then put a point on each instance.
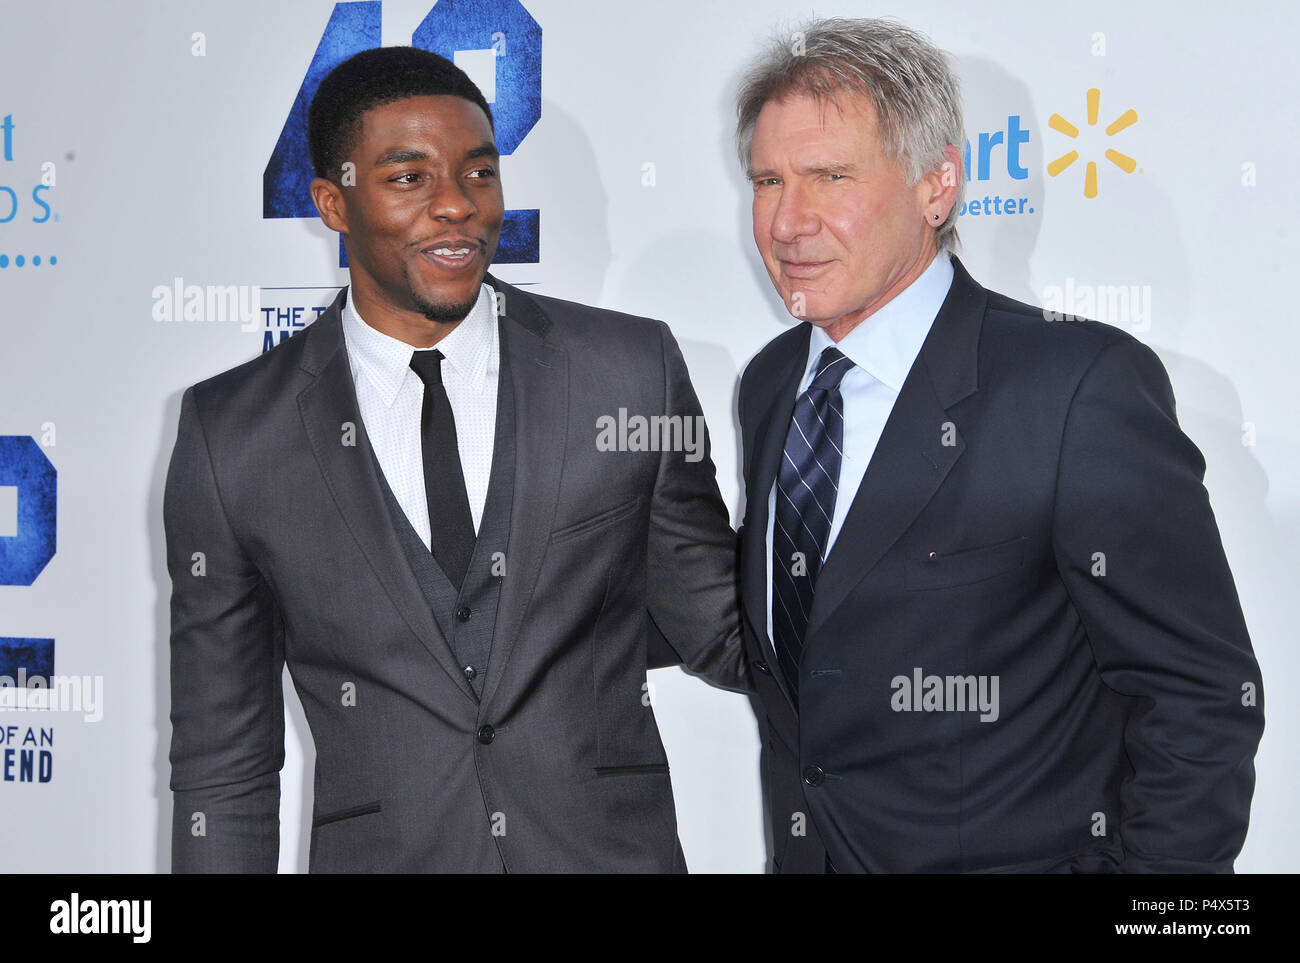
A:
(468, 32)
(29, 483)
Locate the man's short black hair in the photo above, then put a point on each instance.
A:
(373, 78)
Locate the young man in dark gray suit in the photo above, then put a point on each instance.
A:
(993, 622)
(416, 504)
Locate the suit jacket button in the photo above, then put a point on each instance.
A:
(463, 613)
(762, 667)
(470, 672)
(814, 776)
(486, 734)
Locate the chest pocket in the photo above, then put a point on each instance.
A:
(597, 522)
(945, 570)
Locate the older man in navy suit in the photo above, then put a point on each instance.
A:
(985, 594)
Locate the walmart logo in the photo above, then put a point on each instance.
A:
(1125, 163)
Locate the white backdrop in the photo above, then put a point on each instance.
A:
(157, 158)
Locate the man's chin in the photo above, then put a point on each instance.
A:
(445, 312)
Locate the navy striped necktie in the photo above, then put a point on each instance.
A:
(806, 487)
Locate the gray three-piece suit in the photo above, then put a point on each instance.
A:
(285, 546)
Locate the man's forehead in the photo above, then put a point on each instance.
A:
(425, 110)
(803, 127)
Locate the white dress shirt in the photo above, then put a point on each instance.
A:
(883, 349)
(391, 396)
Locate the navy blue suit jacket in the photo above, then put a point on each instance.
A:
(1033, 513)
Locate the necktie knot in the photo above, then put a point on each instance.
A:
(428, 365)
(832, 366)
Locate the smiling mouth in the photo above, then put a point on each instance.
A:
(454, 255)
(802, 269)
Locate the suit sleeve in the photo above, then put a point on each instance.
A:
(227, 656)
(693, 589)
(1138, 548)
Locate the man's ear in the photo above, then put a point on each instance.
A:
(939, 187)
(328, 198)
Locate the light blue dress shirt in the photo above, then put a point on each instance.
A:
(883, 349)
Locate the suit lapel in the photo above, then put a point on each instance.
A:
(913, 456)
(907, 468)
(769, 442)
(349, 472)
(539, 372)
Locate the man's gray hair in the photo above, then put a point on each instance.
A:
(907, 79)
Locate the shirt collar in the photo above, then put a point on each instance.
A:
(386, 361)
(886, 344)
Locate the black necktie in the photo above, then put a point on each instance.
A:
(451, 527)
(806, 489)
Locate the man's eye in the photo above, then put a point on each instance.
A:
(483, 172)
(766, 182)
(402, 178)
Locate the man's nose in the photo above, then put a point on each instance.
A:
(793, 216)
(450, 201)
